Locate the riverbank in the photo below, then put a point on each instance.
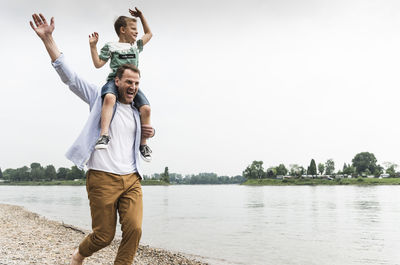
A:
(78, 182)
(27, 238)
(316, 181)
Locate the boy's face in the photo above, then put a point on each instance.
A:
(128, 86)
(130, 32)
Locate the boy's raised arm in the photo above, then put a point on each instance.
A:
(93, 39)
(147, 32)
(45, 33)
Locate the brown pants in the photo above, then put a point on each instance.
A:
(109, 193)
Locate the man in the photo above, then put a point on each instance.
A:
(113, 178)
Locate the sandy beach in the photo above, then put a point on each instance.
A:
(27, 238)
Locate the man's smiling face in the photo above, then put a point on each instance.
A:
(128, 86)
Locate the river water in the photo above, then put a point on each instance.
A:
(232, 224)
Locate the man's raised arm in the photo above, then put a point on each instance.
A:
(86, 91)
(45, 33)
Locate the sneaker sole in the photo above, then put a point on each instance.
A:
(101, 146)
(145, 158)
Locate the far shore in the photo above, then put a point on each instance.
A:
(27, 238)
(77, 182)
(288, 181)
(320, 181)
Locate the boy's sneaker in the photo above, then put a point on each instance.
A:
(102, 142)
(145, 152)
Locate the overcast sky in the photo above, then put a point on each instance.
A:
(229, 82)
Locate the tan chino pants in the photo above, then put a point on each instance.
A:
(109, 193)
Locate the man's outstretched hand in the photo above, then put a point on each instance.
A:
(45, 33)
(147, 131)
(42, 29)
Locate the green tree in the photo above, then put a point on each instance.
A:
(75, 173)
(50, 172)
(1, 174)
(165, 175)
(35, 165)
(7, 174)
(321, 168)
(238, 179)
(391, 171)
(365, 163)
(281, 170)
(11, 174)
(390, 168)
(296, 170)
(22, 174)
(19, 174)
(175, 178)
(156, 176)
(254, 171)
(37, 172)
(378, 171)
(62, 173)
(271, 172)
(329, 167)
(312, 169)
(344, 167)
(349, 170)
(302, 171)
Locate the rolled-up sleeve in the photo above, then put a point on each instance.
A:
(105, 53)
(86, 91)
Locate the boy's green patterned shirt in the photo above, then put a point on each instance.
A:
(120, 53)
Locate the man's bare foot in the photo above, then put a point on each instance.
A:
(77, 258)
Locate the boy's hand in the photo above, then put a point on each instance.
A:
(93, 39)
(136, 12)
(42, 29)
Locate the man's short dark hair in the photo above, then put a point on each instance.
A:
(122, 22)
(122, 68)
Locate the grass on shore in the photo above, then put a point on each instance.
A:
(250, 182)
(304, 181)
(79, 182)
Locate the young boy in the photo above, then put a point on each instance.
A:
(121, 52)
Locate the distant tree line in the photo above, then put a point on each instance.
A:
(201, 178)
(362, 165)
(37, 172)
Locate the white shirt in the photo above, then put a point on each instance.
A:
(118, 158)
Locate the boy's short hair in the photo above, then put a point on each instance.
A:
(121, 69)
(121, 22)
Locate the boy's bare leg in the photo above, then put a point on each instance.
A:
(106, 113)
(77, 258)
(144, 119)
(106, 116)
(145, 150)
